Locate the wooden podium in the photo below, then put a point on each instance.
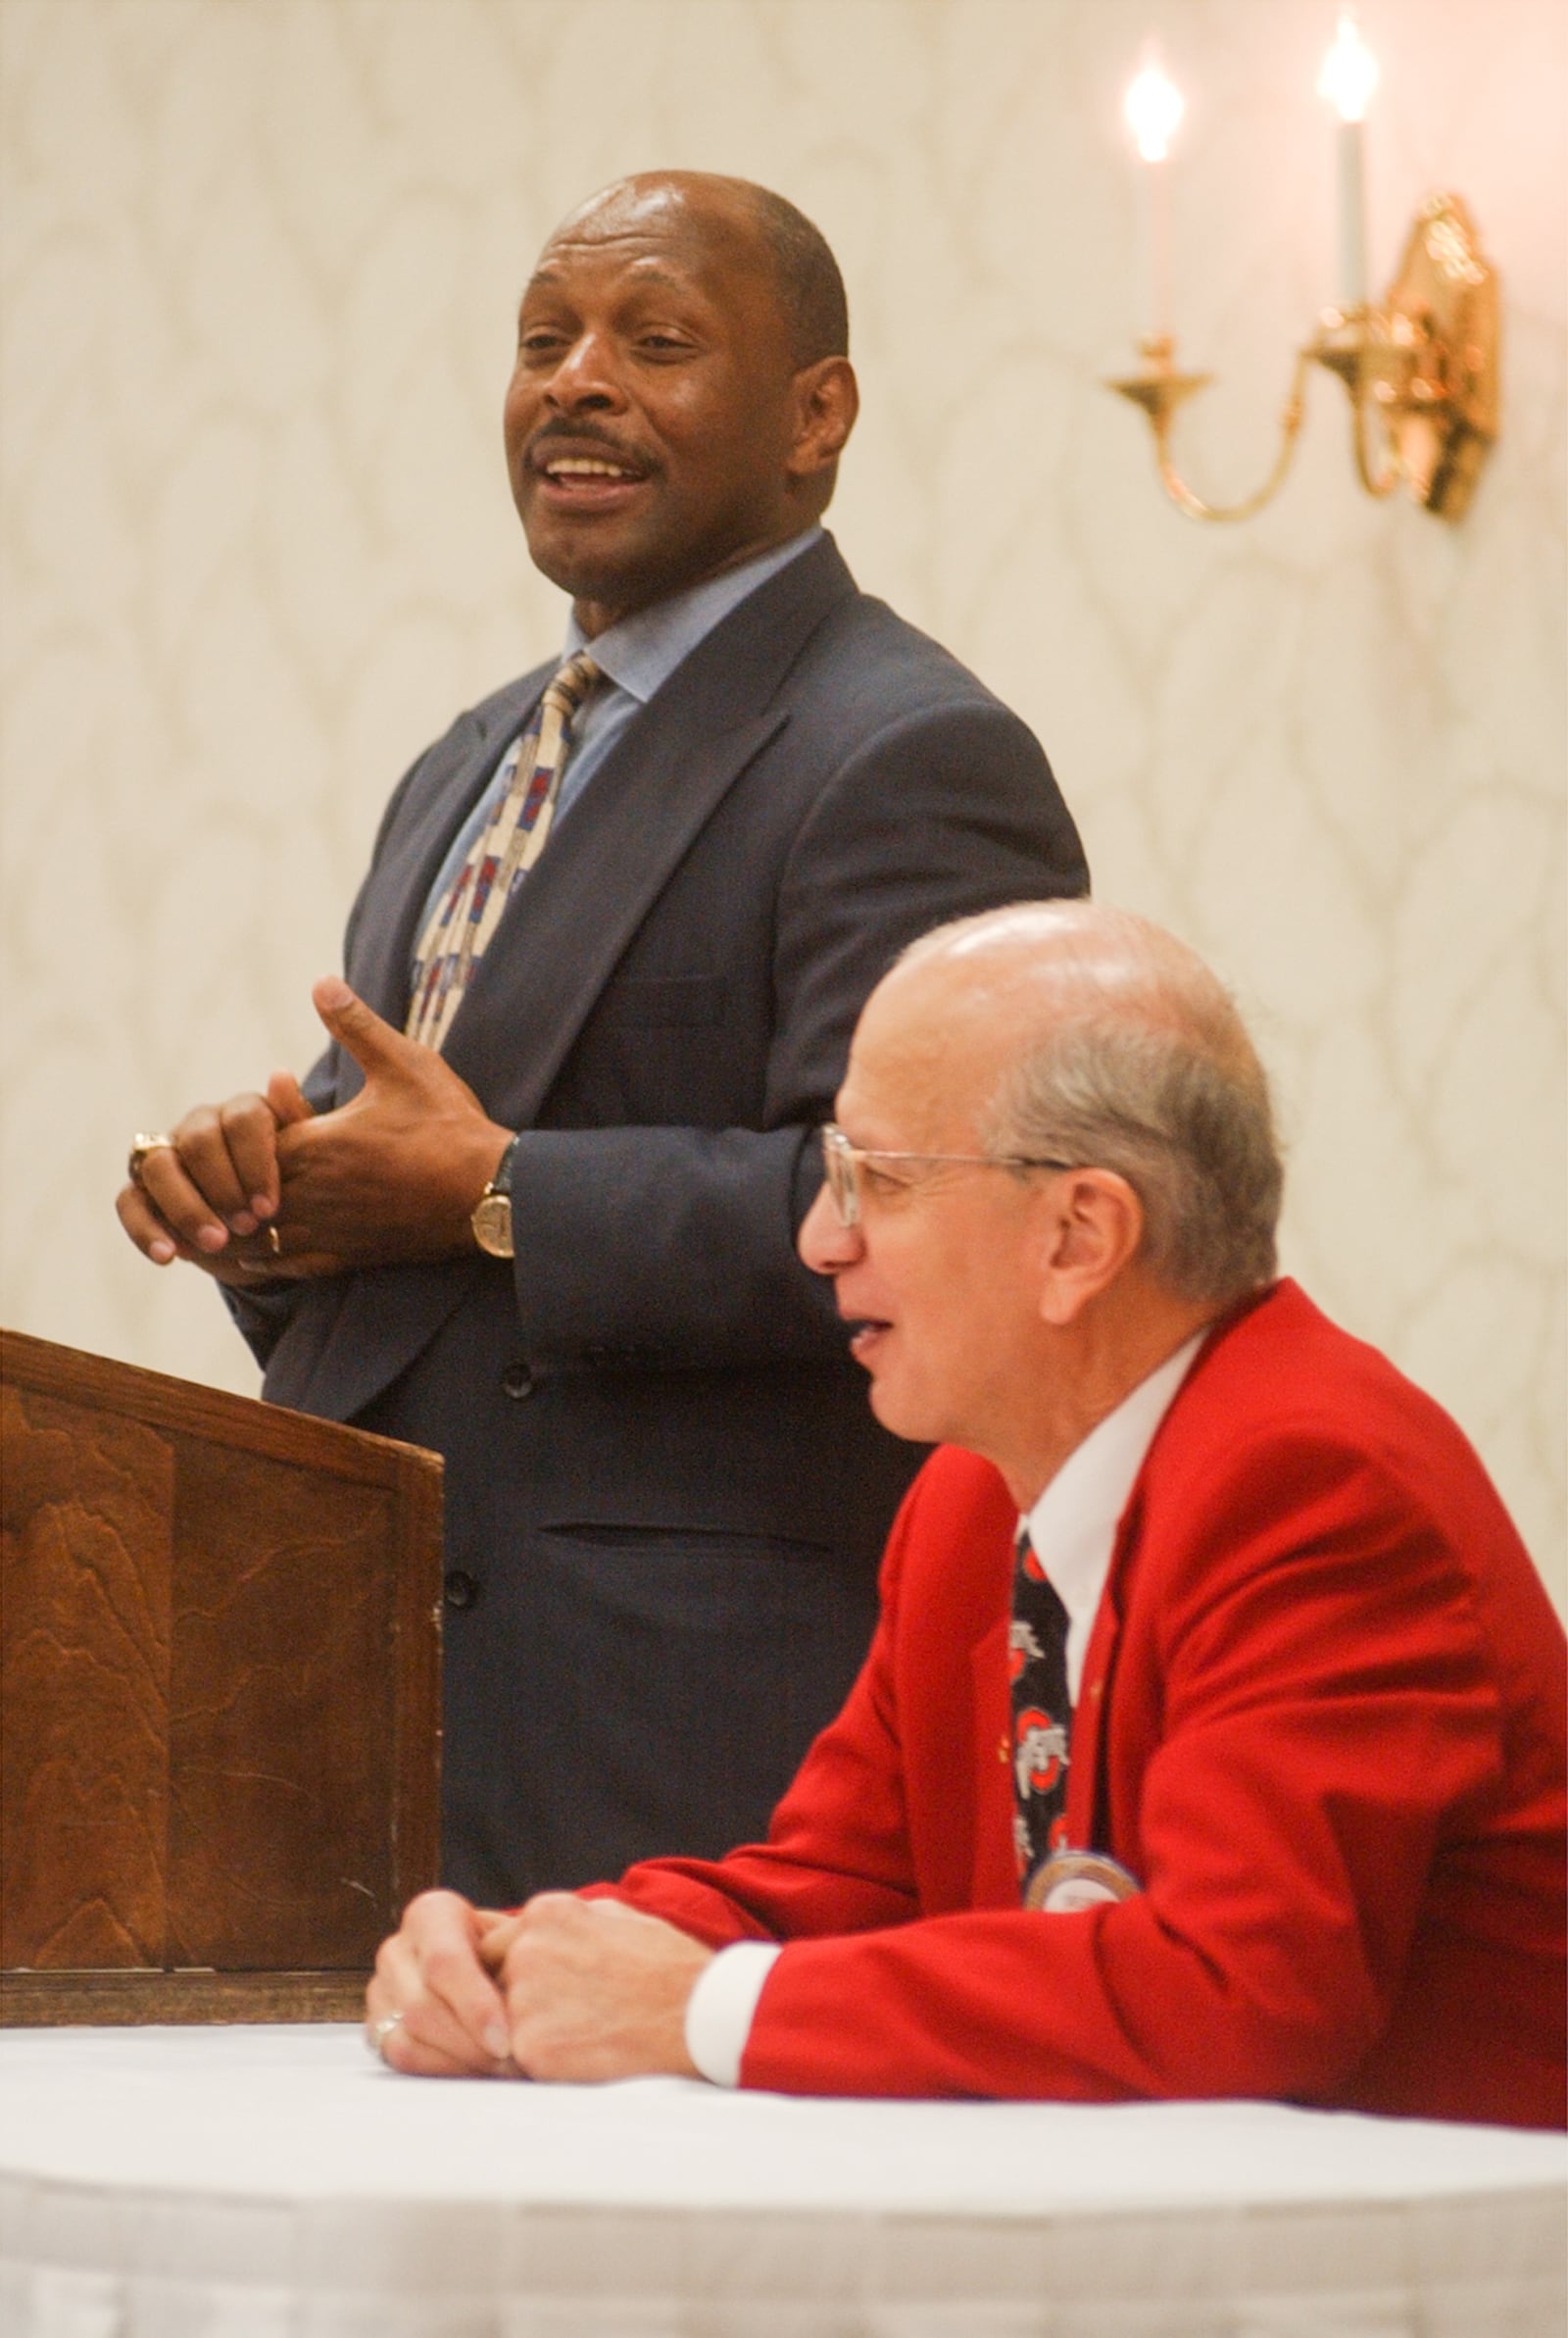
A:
(219, 1697)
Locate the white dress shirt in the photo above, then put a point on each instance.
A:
(1073, 1529)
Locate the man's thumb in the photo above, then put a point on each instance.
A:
(373, 1044)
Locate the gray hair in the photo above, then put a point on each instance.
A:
(1138, 1061)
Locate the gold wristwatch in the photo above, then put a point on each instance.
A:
(492, 1212)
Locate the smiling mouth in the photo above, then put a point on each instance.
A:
(567, 469)
(865, 1332)
(581, 466)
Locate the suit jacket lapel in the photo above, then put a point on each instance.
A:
(995, 1880)
(1090, 1821)
(577, 911)
(390, 916)
(349, 1336)
(1086, 1814)
(558, 945)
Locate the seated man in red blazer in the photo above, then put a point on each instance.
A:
(1212, 1740)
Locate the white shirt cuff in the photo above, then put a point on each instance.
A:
(720, 2007)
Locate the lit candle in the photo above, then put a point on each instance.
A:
(1347, 80)
(1154, 106)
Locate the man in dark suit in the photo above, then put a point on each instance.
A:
(555, 1241)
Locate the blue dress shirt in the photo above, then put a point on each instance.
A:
(635, 658)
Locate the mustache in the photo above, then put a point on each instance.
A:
(584, 434)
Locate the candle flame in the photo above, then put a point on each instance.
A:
(1153, 105)
(1349, 70)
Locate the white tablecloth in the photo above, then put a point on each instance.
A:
(276, 2183)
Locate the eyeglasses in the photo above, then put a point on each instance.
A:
(841, 1163)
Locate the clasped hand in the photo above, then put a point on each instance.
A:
(263, 1185)
(565, 1990)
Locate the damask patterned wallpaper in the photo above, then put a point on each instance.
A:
(258, 264)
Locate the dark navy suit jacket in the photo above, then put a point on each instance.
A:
(666, 1494)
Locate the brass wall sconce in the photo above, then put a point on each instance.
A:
(1420, 366)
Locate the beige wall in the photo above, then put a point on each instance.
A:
(259, 265)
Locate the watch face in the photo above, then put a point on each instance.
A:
(491, 1225)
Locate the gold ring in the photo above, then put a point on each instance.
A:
(140, 1147)
(274, 1241)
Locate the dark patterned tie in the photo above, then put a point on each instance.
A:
(1042, 1717)
(506, 848)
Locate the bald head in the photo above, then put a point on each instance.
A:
(1015, 972)
(745, 224)
(672, 412)
(1065, 1030)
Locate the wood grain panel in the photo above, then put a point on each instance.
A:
(46, 2000)
(280, 1721)
(84, 1685)
(220, 1768)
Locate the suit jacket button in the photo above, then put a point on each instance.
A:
(460, 1588)
(517, 1381)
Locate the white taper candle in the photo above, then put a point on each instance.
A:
(1154, 106)
(1350, 146)
(1347, 80)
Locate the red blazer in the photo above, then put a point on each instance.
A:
(1322, 1720)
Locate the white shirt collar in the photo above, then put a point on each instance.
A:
(641, 653)
(1073, 1524)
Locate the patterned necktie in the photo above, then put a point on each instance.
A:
(1042, 1717)
(528, 784)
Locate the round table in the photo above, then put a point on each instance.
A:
(278, 2183)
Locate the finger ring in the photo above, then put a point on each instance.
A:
(274, 1243)
(380, 2031)
(140, 1147)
